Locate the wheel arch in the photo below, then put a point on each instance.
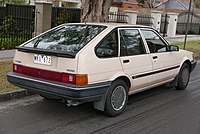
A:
(186, 61)
(125, 79)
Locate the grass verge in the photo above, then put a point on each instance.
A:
(193, 46)
(5, 86)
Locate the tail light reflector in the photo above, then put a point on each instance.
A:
(76, 79)
(17, 68)
(69, 78)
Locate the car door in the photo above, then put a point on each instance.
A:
(134, 58)
(165, 62)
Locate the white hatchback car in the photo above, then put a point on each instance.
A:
(102, 63)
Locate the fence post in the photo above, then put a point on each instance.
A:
(132, 16)
(156, 19)
(42, 16)
(165, 25)
(173, 19)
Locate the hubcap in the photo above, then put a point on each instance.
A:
(118, 98)
(185, 76)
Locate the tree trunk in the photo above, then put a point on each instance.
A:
(95, 10)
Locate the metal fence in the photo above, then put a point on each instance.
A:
(16, 24)
(143, 19)
(193, 26)
(117, 17)
(62, 15)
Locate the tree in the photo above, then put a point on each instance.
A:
(95, 10)
(152, 3)
(55, 3)
(14, 2)
(197, 3)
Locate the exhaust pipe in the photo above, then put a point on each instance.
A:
(70, 102)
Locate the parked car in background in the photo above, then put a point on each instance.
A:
(102, 63)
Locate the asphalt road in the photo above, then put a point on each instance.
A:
(156, 111)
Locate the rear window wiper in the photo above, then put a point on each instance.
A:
(46, 52)
(37, 42)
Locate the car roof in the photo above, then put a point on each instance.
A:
(113, 25)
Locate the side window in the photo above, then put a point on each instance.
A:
(154, 42)
(131, 42)
(108, 47)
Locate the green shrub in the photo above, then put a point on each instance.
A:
(9, 27)
(12, 42)
(10, 35)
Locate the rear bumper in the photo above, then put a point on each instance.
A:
(193, 64)
(92, 92)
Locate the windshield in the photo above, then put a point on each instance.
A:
(68, 38)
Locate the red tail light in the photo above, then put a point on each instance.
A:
(17, 68)
(69, 78)
(75, 79)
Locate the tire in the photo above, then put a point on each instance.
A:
(116, 98)
(183, 77)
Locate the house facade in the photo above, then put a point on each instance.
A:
(131, 4)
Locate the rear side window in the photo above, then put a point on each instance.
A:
(108, 47)
(68, 38)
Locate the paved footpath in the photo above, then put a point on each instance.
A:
(7, 54)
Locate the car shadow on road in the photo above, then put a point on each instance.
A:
(56, 106)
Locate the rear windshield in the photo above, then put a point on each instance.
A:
(68, 38)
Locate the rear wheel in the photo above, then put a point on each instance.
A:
(116, 99)
(183, 77)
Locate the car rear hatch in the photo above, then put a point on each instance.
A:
(53, 55)
(48, 67)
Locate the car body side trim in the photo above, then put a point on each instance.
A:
(155, 72)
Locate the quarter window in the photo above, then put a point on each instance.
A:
(154, 42)
(108, 47)
(131, 42)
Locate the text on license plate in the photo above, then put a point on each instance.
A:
(42, 59)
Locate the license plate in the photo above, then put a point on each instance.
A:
(42, 59)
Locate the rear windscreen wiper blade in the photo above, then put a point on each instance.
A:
(47, 52)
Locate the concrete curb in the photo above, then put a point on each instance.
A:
(14, 95)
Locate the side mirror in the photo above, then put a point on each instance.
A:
(173, 48)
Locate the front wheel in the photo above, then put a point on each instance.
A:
(183, 77)
(116, 99)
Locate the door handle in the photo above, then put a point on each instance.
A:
(155, 57)
(126, 61)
